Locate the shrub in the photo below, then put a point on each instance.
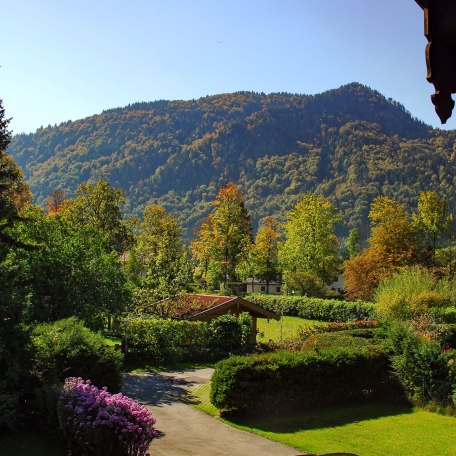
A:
(226, 333)
(412, 292)
(346, 339)
(67, 348)
(290, 380)
(97, 423)
(315, 308)
(422, 366)
(164, 340)
(167, 341)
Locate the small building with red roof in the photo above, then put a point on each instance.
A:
(203, 307)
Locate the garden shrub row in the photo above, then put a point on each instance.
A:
(287, 380)
(167, 341)
(315, 308)
(355, 338)
(163, 340)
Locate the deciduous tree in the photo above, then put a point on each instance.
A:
(261, 261)
(393, 244)
(99, 205)
(311, 245)
(161, 251)
(432, 220)
(224, 236)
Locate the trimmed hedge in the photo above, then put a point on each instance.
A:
(315, 308)
(164, 340)
(291, 380)
(356, 338)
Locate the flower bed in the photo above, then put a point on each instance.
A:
(96, 422)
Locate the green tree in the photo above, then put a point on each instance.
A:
(14, 197)
(224, 238)
(99, 206)
(432, 219)
(72, 273)
(261, 261)
(352, 242)
(161, 252)
(311, 246)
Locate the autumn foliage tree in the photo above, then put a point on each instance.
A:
(393, 243)
(55, 201)
(223, 238)
(99, 205)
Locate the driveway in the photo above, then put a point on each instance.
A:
(185, 431)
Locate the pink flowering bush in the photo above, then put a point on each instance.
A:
(96, 422)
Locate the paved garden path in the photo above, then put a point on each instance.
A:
(185, 431)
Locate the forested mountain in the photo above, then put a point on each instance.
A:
(349, 144)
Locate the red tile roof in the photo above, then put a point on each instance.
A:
(191, 304)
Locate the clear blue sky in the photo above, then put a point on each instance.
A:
(68, 59)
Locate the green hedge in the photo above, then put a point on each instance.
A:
(291, 380)
(315, 308)
(355, 338)
(165, 340)
(66, 348)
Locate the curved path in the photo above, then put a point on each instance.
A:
(185, 431)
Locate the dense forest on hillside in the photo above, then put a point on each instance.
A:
(350, 145)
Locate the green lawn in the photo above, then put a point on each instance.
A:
(30, 444)
(286, 328)
(366, 429)
(113, 341)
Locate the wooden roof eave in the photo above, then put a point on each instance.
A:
(260, 312)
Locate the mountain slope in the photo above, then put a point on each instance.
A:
(350, 144)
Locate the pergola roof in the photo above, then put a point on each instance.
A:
(196, 306)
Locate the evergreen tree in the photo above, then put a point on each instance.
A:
(14, 197)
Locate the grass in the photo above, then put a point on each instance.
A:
(286, 329)
(113, 341)
(374, 429)
(30, 444)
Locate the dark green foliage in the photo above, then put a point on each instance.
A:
(449, 331)
(14, 196)
(289, 380)
(423, 368)
(357, 338)
(226, 333)
(162, 340)
(66, 348)
(447, 315)
(349, 144)
(72, 273)
(315, 308)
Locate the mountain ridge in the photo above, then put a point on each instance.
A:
(349, 144)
